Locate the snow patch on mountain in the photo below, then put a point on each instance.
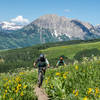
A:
(57, 34)
(97, 26)
(9, 26)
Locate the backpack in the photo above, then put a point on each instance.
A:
(42, 62)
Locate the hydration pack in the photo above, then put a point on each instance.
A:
(42, 62)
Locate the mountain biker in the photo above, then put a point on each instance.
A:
(42, 65)
(61, 62)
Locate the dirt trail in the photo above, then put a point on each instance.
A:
(41, 93)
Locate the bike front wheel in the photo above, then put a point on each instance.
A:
(40, 79)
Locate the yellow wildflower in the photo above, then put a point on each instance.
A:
(75, 92)
(58, 74)
(21, 94)
(18, 79)
(5, 91)
(96, 90)
(76, 67)
(17, 90)
(89, 90)
(66, 73)
(51, 86)
(9, 81)
(85, 98)
(19, 85)
(25, 86)
(64, 76)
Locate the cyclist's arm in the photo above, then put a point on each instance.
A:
(64, 63)
(57, 63)
(34, 64)
(47, 62)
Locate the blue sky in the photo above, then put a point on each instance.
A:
(29, 10)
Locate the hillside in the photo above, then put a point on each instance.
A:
(71, 50)
(78, 80)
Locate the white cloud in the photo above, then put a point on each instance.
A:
(20, 20)
(67, 10)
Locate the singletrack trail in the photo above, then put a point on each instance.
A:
(40, 93)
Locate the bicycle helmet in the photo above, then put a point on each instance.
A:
(41, 55)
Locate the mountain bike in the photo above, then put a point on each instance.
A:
(41, 76)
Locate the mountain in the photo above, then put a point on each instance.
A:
(62, 26)
(9, 26)
(97, 28)
(48, 28)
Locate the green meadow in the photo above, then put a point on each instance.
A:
(78, 80)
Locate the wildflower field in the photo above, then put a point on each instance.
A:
(74, 82)
(78, 81)
(18, 86)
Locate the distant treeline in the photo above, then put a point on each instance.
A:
(24, 57)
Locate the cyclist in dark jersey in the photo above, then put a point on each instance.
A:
(61, 62)
(42, 64)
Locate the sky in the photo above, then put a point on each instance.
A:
(25, 11)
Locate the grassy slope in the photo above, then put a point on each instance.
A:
(25, 57)
(69, 50)
(81, 78)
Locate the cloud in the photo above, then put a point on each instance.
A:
(67, 10)
(20, 20)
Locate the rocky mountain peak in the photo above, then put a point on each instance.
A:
(61, 25)
(50, 21)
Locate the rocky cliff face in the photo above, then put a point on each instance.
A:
(63, 26)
